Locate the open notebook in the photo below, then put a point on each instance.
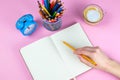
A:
(50, 59)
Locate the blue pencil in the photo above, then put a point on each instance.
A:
(59, 10)
(46, 4)
(57, 5)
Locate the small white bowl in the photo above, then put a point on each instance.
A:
(93, 14)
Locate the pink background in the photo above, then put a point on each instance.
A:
(106, 34)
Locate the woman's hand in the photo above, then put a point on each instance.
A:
(103, 62)
(95, 54)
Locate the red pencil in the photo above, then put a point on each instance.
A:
(52, 4)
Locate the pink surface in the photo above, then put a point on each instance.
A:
(105, 35)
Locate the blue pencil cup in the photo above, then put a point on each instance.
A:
(52, 26)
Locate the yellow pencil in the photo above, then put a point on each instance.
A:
(45, 10)
(68, 45)
(84, 56)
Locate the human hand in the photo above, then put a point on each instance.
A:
(95, 54)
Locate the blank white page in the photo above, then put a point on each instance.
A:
(43, 61)
(75, 36)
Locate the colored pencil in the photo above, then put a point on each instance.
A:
(46, 4)
(51, 9)
(52, 5)
(46, 10)
(56, 7)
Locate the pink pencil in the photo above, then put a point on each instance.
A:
(42, 2)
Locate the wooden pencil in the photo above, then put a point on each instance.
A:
(82, 55)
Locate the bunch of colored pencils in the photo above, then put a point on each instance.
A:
(51, 10)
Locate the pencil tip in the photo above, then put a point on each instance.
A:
(63, 41)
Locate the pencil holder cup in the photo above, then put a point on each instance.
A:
(52, 26)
